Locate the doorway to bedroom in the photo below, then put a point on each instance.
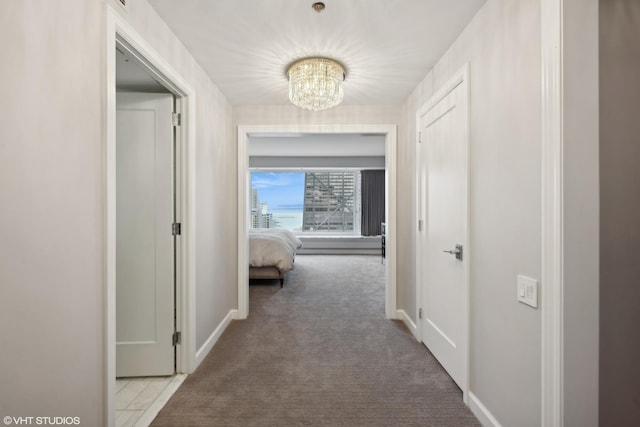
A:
(323, 184)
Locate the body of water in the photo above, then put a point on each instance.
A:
(289, 220)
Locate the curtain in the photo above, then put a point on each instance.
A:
(372, 202)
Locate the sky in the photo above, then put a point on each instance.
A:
(283, 191)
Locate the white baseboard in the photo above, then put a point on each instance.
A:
(402, 315)
(202, 352)
(481, 412)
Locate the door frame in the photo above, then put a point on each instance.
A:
(459, 78)
(120, 33)
(245, 131)
(552, 214)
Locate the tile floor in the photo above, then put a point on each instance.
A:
(138, 400)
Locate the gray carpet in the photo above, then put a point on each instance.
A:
(318, 352)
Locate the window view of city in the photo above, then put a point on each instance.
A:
(309, 202)
(277, 200)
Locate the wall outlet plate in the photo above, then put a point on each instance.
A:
(527, 291)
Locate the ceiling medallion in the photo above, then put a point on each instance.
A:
(316, 83)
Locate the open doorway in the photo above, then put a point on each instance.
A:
(388, 135)
(141, 87)
(146, 208)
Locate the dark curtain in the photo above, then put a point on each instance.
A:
(372, 202)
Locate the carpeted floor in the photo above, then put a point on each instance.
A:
(318, 352)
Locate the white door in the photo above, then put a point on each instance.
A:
(443, 168)
(144, 241)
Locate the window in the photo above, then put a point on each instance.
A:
(309, 202)
(330, 201)
(277, 200)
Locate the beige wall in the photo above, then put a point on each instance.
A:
(291, 115)
(502, 46)
(52, 218)
(620, 210)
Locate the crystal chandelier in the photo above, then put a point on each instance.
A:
(315, 83)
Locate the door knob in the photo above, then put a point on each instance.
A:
(457, 252)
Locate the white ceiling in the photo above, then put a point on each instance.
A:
(386, 46)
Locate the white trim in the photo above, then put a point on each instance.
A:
(243, 222)
(243, 200)
(481, 412)
(391, 165)
(110, 223)
(402, 315)
(118, 29)
(552, 265)
(203, 351)
(461, 77)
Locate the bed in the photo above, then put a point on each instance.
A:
(271, 253)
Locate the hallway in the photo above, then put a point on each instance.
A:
(319, 352)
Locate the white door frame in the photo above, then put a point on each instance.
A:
(244, 131)
(552, 256)
(119, 32)
(461, 77)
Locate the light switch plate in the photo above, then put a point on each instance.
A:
(528, 291)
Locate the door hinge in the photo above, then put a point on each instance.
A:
(420, 137)
(177, 338)
(419, 225)
(420, 313)
(176, 119)
(176, 229)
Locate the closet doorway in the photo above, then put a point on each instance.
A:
(167, 215)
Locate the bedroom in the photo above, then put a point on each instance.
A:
(311, 185)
